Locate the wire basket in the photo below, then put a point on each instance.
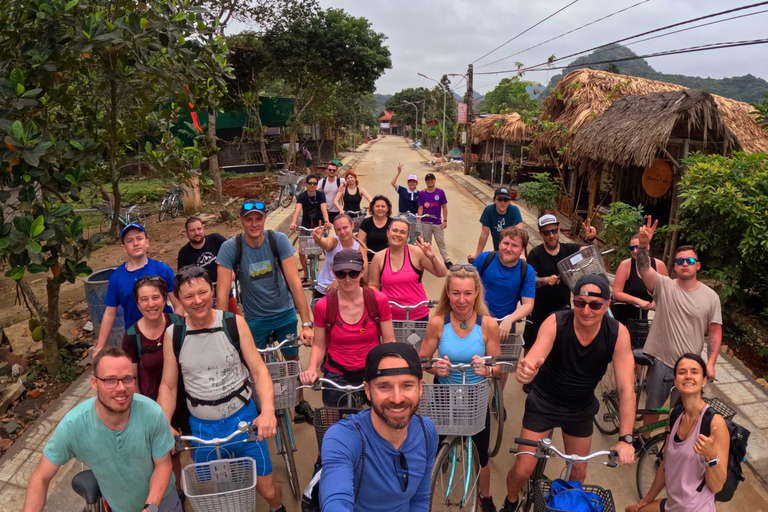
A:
(308, 246)
(456, 409)
(511, 347)
(541, 492)
(587, 261)
(327, 416)
(227, 484)
(285, 379)
(289, 178)
(105, 208)
(638, 331)
(358, 218)
(720, 407)
(410, 332)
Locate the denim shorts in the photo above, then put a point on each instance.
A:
(283, 325)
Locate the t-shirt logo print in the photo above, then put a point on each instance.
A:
(437, 197)
(500, 225)
(260, 270)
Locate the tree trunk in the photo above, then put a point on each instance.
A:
(113, 179)
(262, 140)
(49, 319)
(213, 157)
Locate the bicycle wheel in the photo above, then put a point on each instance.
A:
(137, 215)
(450, 477)
(286, 196)
(284, 439)
(163, 209)
(104, 226)
(497, 418)
(650, 459)
(607, 417)
(173, 208)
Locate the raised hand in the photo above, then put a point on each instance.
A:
(425, 247)
(399, 168)
(705, 445)
(590, 231)
(527, 370)
(645, 235)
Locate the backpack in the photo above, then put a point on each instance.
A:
(133, 335)
(523, 272)
(737, 451)
(239, 256)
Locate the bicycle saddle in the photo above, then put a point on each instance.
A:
(85, 485)
(641, 358)
(125, 205)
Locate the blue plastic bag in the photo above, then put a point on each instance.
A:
(569, 495)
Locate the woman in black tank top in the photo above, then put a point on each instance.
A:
(628, 287)
(351, 193)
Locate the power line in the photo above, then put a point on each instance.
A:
(526, 30)
(566, 33)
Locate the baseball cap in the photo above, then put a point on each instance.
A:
(348, 259)
(546, 220)
(401, 350)
(413, 177)
(253, 205)
(598, 280)
(129, 227)
(502, 192)
(429, 176)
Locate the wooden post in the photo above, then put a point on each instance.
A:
(594, 185)
(503, 159)
(676, 210)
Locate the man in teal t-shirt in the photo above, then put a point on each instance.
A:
(124, 438)
(497, 217)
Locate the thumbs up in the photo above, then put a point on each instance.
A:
(705, 445)
(527, 370)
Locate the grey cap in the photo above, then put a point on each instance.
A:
(348, 259)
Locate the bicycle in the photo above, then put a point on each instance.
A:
(411, 331)
(589, 260)
(291, 185)
(357, 217)
(538, 485)
(312, 251)
(458, 412)
(132, 214)
(171, 203)
(84, 483)
(415, 229)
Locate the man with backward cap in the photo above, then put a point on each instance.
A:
(565, 364)
(381, 458)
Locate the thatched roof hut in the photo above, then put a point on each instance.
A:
(509, 127)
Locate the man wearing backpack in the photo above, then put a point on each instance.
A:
(208, 356)
(270, 286)
(358, 454)
(508, 279)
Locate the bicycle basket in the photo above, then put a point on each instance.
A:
(456, 409)
(290, 178)
(587, 261)
(227, 484)
(308, 246)
(638, 331)
(541, 493)
(511, 347)
(105, 208)
(410, 332)
(327, 416)
(285, 379)
(721, 407)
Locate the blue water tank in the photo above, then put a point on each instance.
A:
(95, 294)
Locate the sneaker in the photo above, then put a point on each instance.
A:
(486, 504)
(304, 410)
(509, 507)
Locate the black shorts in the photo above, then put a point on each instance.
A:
(541, 415)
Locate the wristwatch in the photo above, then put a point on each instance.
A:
(627, 438)
(714, 462)
(151, 507)
(308, 324)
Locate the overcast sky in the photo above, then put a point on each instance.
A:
(434, 37)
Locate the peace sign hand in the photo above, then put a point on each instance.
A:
(399, 168)
(590, 231)
(425, 247)
(645, 235)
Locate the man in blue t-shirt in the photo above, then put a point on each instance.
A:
(120, 288)
(271, 290)
(408, 201)
(502, 280)
(122, 436)
(496, 218)
(432, 201)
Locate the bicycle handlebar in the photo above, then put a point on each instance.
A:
(544, 450)
(428, 303)
(463, 367)
(242, 428)
(499, 320)
(290, 341)
(317, 386)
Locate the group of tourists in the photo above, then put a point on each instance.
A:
(186, 367)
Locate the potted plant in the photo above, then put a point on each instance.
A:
(541, 192)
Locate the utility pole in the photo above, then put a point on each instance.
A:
(468, 97)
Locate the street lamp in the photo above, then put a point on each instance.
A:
(445, 92)
(416, 130)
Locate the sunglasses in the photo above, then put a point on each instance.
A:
(332, 170)
(550, 232)
(404, 467)
(468, 268)
(148, 279)
(690, 261)
(128, 382)
(502, 199)
(633, 248)
(342, 274)
(251, 206)
(594, 306)
(311, 183)
(191, 271)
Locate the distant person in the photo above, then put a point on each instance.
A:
(408, 201)
(331, 246)
(313, 208)
(307, 156)
(432, 201)
(330, 186)
(496, 218)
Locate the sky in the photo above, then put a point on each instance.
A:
(435, 37)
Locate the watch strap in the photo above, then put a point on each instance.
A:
(627, 438)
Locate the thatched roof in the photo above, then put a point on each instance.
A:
(585, 94)
(631, 131)
(511, 128)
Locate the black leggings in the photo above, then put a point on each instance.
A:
(481, 440)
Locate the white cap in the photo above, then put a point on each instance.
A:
(545, 220)
(412, 177)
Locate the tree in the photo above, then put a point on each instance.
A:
(761, 113)
(510, 96)
(612, 68)
(406, 114)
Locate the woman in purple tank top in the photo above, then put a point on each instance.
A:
(398, 270)
(690, 457)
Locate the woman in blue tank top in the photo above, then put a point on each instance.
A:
(461, 331)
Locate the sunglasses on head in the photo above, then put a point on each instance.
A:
(191, 271)
(689, 260)
(253, 206)
(342, 274)
(633, 248)
(594, 306)
(147, 279)
(550, 231)
(468, 268)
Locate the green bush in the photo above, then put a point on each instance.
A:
(541, 192)
(143, 191)
(619, 224)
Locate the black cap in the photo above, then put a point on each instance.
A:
(348, 259)
(429, 176)
(502, 192)
(598, 280)
(401, 350)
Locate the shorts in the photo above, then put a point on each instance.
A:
(317, 294)
(331, 216)
(209, 429)
(282, 325)
(541, 415)
(660, 380)
(171, 501)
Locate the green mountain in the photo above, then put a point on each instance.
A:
(747, 88)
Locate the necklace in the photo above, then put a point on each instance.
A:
(463, 323)
(310, 199)
(690, 427)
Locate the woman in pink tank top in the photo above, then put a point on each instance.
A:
(690, 457)
(397, 271)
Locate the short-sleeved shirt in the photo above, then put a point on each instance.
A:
(498, 223)
(433, 205)
(407, 201)
(205, 256)
(120, 287)
(311, 213)
(681, 321)
(348, 344)
(375, 237)
(122, 461)
(550, 298)
(502, 285)
(151, 362)
(257, 276)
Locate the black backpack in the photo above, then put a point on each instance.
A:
(239, 256)
(737, 451)
(523, 271)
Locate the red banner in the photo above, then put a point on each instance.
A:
(462, 113)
